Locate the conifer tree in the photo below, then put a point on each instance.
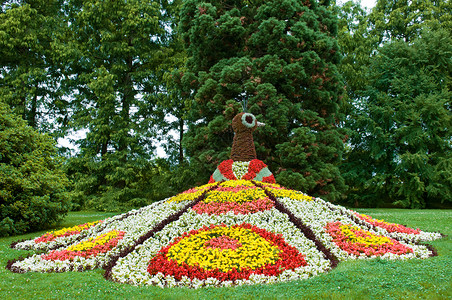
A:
(278, 59)
(401, 150)
(362, 37)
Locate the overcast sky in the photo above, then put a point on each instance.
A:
(365, 3)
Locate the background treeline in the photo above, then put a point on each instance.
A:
(356, 102)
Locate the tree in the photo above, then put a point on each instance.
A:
(114, 57)
(29, 76)
(362, 36)
(278, 59)
(401, 148)
(32, 184)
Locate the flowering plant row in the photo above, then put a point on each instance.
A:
(356, 241)
(237, 195)
(52, 235)
(390, 227)
(191, 194)
(219, 208)
(90, 248)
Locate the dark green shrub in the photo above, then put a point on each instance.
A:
(32, 184)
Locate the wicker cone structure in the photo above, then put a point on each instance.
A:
(240, 228)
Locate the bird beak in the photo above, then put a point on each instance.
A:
(259, 124)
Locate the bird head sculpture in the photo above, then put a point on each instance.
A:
(243, 148)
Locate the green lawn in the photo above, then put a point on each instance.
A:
(369, 279)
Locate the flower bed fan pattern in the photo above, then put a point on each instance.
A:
(240, 228)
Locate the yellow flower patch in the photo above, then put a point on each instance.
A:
(236, 183)
(281, 193)
(357, 235)
(239, 196)
(191, 194)
(74, 228)
(254, 252)
(92, 242)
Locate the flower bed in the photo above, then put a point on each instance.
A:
(52, 235)
(356, 241)
(242, 170)
(390, 227)
(224, 233)
(248, 250)
(90, 248)
(248, 207)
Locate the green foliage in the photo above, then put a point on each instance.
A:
(393, 92)
(401, 148)
(30, 77)
(278, 57)
(32, 183)
(113, 65)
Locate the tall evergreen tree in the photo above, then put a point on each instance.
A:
(116, 50)
(401, 148)
(29, 76)
(279, 59)
(362, 36)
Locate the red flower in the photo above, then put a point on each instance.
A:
(390, 227)
(348, 242)
(289, 258)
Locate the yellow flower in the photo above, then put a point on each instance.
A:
(254, 251)
(92, 242)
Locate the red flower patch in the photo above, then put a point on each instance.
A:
(289, 258)
(354, 240)
(390, 227)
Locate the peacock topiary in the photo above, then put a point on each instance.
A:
(240, 228)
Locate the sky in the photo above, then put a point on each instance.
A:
(365, 3)
(160, 152)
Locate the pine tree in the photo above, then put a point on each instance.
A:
(279, 59)
(401, 148)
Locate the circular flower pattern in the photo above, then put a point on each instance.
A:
(359, 242)
(226, 253)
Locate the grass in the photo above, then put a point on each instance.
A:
(367, 279)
